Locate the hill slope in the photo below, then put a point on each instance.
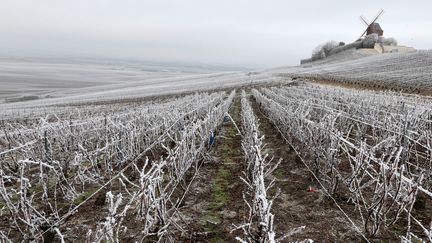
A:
(410, 72)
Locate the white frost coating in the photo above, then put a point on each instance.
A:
(369, 141)
(407, 71)
(259, 226)
(77, 155)
(144, 88)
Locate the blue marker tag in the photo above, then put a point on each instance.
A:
(212, 138)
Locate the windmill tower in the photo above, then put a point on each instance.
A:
(372, 27)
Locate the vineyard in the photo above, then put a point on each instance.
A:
(408, 72)
(292, 162)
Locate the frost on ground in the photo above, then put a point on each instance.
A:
(104, 164)
(24, 79)
(27, 84)
(409, 72)
(127, 171)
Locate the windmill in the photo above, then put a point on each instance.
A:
(372, 27)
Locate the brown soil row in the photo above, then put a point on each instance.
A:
(296, 206)
(215, 202)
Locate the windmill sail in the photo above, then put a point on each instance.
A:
(372, 27)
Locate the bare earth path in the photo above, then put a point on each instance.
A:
(215, 202)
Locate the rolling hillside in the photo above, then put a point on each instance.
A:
(409, 72)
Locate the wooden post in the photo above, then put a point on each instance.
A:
(45, 169)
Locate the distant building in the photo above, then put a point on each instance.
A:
(374, 28)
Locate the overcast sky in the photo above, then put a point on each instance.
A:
(254, 33)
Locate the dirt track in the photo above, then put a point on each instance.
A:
(215, 201)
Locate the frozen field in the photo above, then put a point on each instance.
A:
(126, 153)
(24, 79)
(26, 85)
(410, 72)
(34, 83)
(214, 166)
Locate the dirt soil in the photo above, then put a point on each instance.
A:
(295, 206)
(215, 203)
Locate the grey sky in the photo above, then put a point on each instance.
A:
(230, 32)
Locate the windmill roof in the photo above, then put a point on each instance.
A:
(375, 26)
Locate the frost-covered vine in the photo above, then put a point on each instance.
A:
(362, 142)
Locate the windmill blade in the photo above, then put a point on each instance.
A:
(378, 15)
(364, 20)
(363, 34)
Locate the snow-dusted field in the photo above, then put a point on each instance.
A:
(24, 79)
(410, 72)
(95, 172)
(27, 84)
(38, 84)
(94, 159)
(40, 78)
